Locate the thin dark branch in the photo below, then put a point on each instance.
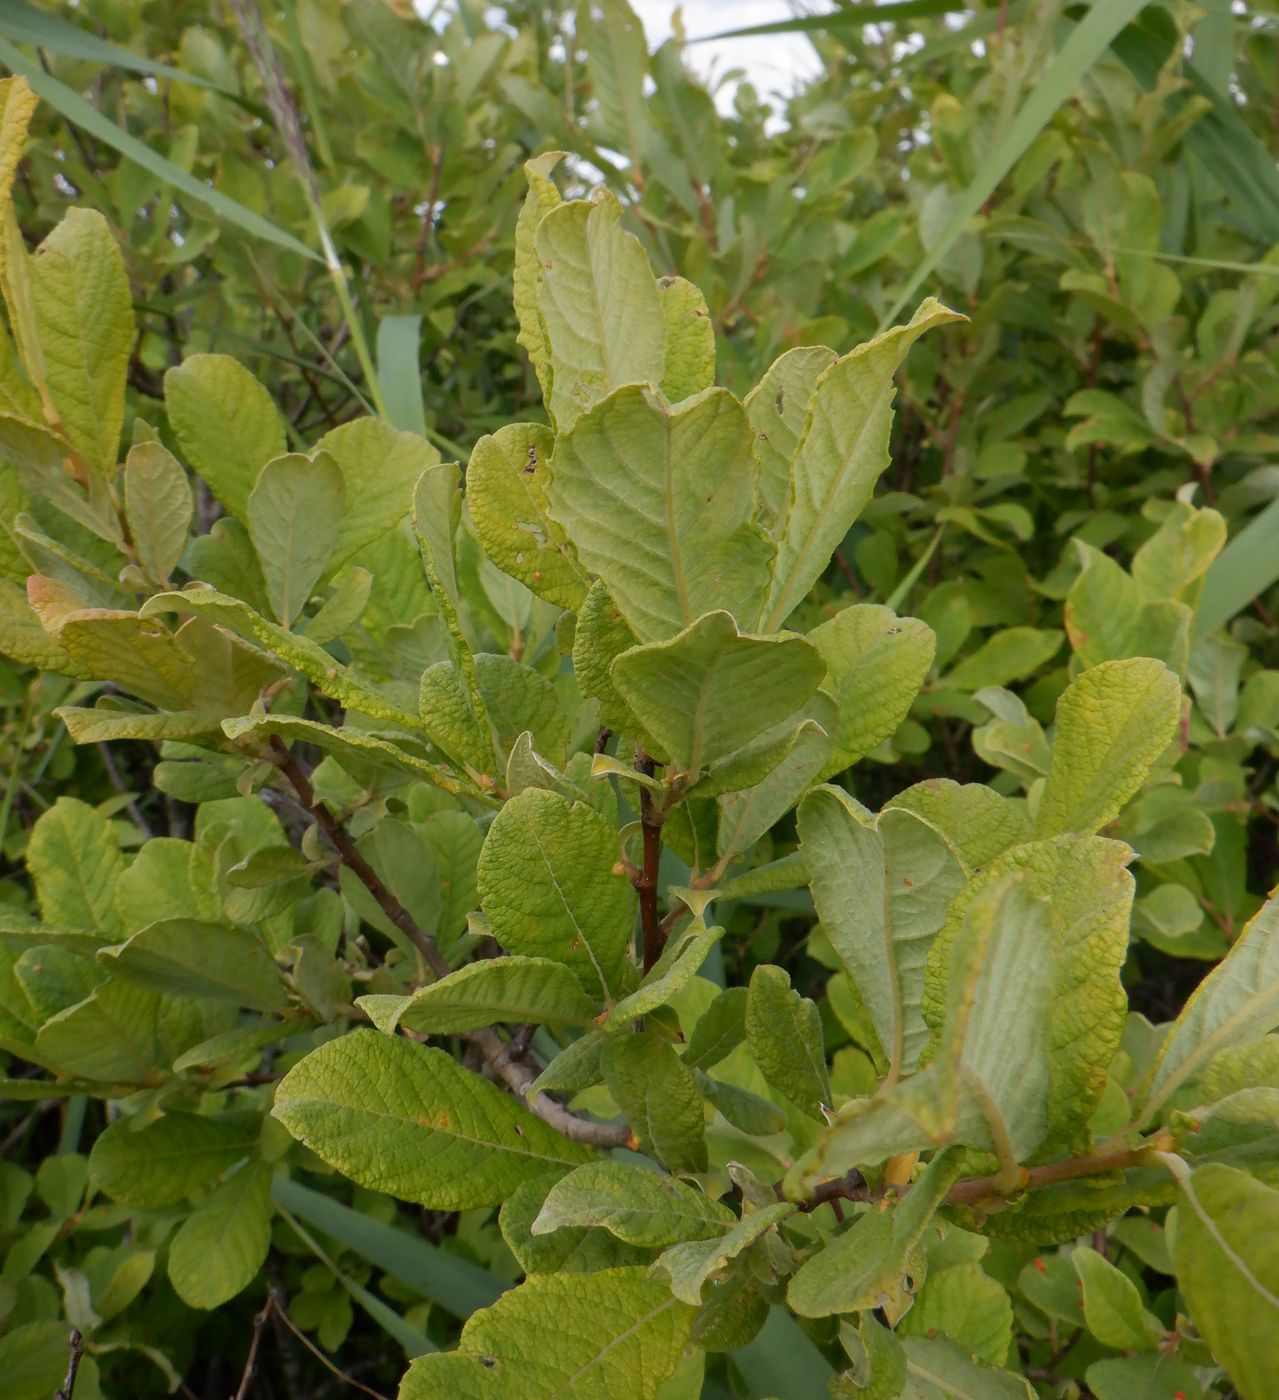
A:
(75, 1345)
(322, 1358)
(251, 1361)
(117, 782)
(513, 1071)
(651, 818)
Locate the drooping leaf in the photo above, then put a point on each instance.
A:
(939, 1369)
(618, 1335)
(161, 1162)
(784, 1033)
(640, 1207)
(158, 506)
(1113, 1309)
(219, 1248)
(690, 1265)
(659, 1097)
(226, 425)
(531, 990)
(184, 957)
(549, 883)
(1113, 722)
(75, 860)
(409, 1120)
(709, 691)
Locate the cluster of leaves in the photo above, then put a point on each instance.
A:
(554, 772)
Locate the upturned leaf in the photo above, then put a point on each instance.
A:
(294, 514)
(659, 503)
(939, 1369)
(966, 1304)
(690, 340)
(542, 197)
(659, 1097)
(978, 822)
(84, 318)
(1113, 722)
(784, 1033)
(640, 1207)
(226, 424)
(409, 1120)
(618, 1334)
(841, 451)
(710, 690)
(550, 884)
(600, 309)
(220, 1247)
(691, 1265)
(159, 507)
(882, 888)
(776, 409)
(75, 861)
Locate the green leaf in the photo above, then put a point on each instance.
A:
(1247, 566)
(408, 1120)
(33, 1356)
(600, 636)
(507, 491)
(776, 409)
(882, 888)
(1008, 656)
(380, 468)
(531, 990)
(550, 885)
(226, 424)
(618, 1335)
(639, 1206)
(398, 372)
(978, 822)
(84, 317)
(1113, 723)
(709, 691)
(542, 197)
(690, 1266)
(659, 1097)
(967, 1306)
(784, 1033)
(159, 1163)
(1225, 1248)
(841, 452)
(939, 1369)
(75, 862)
(690, 340)
(659, 503)
(293, 515)
(865, 1267)
(680, 962)
(574, 1249)
(1135, 1377)
(1237, 1002)
(876, 663)
(220, 1247)
(183, 957)
(158, 506)
(1087, 42)
(720, 1029)
(600, 308)
(1113, 1309)
(988, 1083)
(1088, 894)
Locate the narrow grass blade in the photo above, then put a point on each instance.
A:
(82, 114)
(853, 17)
(1247, 566)
(1223, 142)
(1087, 42)
(21, 23)
(398, 372)
(414, 1342)
(452, 1283)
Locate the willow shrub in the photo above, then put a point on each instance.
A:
(474, 760)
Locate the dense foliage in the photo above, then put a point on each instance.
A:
(756, 883)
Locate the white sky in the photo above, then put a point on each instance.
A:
(772, 63)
